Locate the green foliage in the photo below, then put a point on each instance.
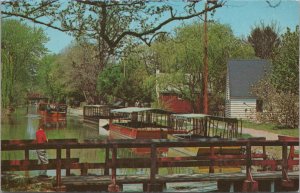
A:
(22, 47)
(109, 81)
(7, 79)
(128, 81)
(181, 57)
(280, 91)
(271, 127)
(50, 78)
(78, 70)
(285, 75)
(107, 25)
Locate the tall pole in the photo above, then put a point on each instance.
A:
(205, 62)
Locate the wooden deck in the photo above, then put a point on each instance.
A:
(88, 182)
(136, 179)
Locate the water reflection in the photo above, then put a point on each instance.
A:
(53, 123)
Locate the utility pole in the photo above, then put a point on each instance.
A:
(205, 62)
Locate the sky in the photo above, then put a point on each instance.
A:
(241, 15)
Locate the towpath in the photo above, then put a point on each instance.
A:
(260, 133)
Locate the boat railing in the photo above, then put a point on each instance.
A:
(139, 125)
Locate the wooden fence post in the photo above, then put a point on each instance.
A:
(113, 187)
(27, 159)
(249, 185)
(106, 169)
(153, 186)
(212, 160)
(285, 182)
(68, 156)
(59, 186)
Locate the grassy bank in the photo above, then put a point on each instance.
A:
(272, 128)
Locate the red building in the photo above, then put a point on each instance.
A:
(173, 102)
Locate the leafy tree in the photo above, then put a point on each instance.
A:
(265, 40)
(7, 80)
(49, 78)
(22, 47)
(180, 57)
(280, 91)
(285, 75)
(108, 25)
(128, 81)
(79, 69)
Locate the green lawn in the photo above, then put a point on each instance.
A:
(272, 128)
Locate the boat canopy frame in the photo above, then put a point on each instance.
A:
(203, 125)
(143, 117)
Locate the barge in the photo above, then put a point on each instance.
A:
(202, 126)
(53, 110)
(140, 123)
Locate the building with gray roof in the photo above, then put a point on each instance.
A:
(241, 76)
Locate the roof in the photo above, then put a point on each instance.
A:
(96, 105)
(243, 74)
(189, 116)
(139, 109)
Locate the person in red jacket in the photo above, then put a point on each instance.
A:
(41, 153)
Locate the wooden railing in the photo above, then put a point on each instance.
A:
(154, 162)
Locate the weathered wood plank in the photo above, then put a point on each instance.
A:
(102, 180)
(23, 165)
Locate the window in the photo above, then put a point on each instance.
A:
(259, 105)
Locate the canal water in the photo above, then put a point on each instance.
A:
(23, 123)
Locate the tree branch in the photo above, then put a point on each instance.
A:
(36, 21)
(42, 6)
(273, 6)
(99, 3)
(158, 27)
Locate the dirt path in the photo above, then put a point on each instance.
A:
(260, 133)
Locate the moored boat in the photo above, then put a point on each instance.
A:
(140, 123)
(54, 110)
(195, 126)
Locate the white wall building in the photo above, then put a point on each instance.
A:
(241, 76)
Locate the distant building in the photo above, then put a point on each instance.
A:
(172, 98)
(241, 76)
(174, 102)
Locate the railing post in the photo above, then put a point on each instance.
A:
(153, 186)
(285, 182)
(284, 163)
(264, 156)
(212, 160)
(106, 169)
(113, 187)
(249, 185)
(248, 161)
(84, 112)
(68, 156)
(27, 159)
(59, 187)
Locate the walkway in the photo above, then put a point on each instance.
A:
(260, 133)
